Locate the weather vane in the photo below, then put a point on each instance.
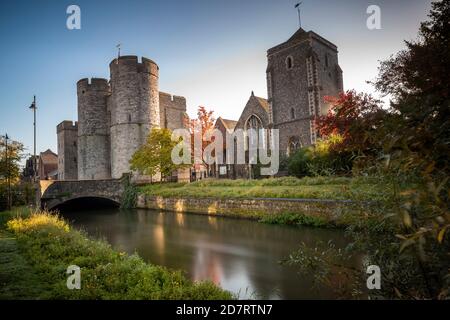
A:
(297, 6)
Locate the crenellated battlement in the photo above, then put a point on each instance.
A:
(93, 84)
(132, 64)
(67, 125)
(172, 101)
(115, 116)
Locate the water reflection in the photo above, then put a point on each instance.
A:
(242, 256)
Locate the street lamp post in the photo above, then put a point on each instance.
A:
(33, 107)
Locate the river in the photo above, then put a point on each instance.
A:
(241, 256)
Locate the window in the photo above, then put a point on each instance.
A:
(292, 113)
(289, 62)
(253, 122)
(129, 117)
(74, 143)
(294, 145)
(326, 60)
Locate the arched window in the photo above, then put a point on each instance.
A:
(294, 145)
(253, 122)
(292, 113)
(289, 62)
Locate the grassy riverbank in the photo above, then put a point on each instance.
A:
(37, 248)
(336, 188)
(316, 214)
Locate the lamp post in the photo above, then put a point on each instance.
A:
(8, 178)
(33, 107)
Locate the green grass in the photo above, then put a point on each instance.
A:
(337, 188)
(296, 219)
(36, 250)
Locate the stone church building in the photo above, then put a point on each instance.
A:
(300, 73)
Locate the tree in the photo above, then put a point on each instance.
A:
(348, 134)
(409, 236)
(417, 79)
(11, 168)
(201, 126)
(155, 155)
(353, 116)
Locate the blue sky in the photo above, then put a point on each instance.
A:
(213, 52)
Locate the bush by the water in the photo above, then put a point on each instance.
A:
(50, 245)
(296, 219)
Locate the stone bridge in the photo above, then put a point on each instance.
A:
(54, 193)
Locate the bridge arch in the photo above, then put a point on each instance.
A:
(81, 202)
(53, 194)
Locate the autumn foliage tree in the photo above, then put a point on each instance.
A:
(199, 127)
(354, 116)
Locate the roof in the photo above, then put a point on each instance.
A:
(263, 102)
(49, 157)
(299, 36)
(229, 124)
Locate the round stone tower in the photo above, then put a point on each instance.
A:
(93, 129)
(134, 108)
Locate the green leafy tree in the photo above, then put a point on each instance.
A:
(155, 155)
(407, 235)
(10, 169)
(417, 79)
(10, 163)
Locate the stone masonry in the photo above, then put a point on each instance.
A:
(300, 73)
(67, 150)
(115, 117)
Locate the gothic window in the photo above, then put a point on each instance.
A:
(253, 122)
(294, 145)
(292, 113)
(289, 62)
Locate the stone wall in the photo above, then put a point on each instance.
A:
(67, 134)
(246, 208)
(93, 129)
(134, 107)
(253, 107)
(172, 111)
(300, 72)
(53, 193)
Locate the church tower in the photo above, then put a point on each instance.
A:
(300, 73)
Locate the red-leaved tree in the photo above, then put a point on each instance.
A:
(201, 125)
(355, 117)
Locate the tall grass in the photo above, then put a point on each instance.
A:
(50, 245)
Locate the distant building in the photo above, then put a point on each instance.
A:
(28, 170)
(224, 126)
(48, 165)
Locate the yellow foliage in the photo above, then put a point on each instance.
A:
(37, 220)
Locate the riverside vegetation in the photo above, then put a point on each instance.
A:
(37, 247)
